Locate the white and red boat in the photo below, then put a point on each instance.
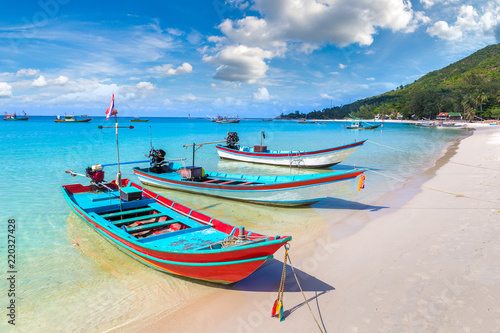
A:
(321, 158)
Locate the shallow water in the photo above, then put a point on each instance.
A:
(70, 279)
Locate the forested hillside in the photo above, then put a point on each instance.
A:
(470, 87)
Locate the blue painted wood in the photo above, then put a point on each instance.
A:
(136, 218)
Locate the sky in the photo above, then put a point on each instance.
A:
(257, 58)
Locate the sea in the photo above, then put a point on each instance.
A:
(67, 278)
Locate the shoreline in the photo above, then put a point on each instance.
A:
(406, 269)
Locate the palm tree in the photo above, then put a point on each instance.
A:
(469, 111)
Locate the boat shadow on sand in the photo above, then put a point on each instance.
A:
(261, 280)
(337, 203)
(267, 279)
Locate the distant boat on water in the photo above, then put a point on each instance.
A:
(226, 120)
(73, 119)
(139, 120)
(358, 124)
(15, 117)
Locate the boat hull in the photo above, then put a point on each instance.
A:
(362, 127)
(219, 266)
(308, 159)
(304, 191)
(73, 121)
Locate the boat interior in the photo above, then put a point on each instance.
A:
(150, 222)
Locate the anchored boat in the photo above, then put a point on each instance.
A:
(168, 236)
(73, 119)
(268, 190)
(320, 158)
(15, 117)
(361, 125)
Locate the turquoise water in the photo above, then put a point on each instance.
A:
(66, 270)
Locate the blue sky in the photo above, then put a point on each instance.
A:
(252, 58)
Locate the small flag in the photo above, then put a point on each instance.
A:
(111, 107)
(361, 184)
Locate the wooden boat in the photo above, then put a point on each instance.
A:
(73, 119)
(137, 119)
(451, 125)
(321, 158)
(305, 121)
(361, 125)
(268, 190)
(15, 117)
(168, 236)
(226, 120)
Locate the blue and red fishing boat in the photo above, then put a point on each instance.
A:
(166, 235)
(262, 189)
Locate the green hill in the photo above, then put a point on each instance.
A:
(470, 86)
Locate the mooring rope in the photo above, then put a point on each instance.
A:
(424, 156)
(305, 298)
(406, 181)
(277, 310)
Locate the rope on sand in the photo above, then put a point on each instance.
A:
(424, 156)
(277, 310)
(406, 181)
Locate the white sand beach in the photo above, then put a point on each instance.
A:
(427, 264)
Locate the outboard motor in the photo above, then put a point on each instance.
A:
(95, 173)
(231, 139)
(157, 157)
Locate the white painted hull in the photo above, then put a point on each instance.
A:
(324, 158)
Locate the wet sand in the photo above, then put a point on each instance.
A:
(429, 264)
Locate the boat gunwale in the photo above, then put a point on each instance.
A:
(282, 154)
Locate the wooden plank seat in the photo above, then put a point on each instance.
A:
(211, 181)
(119, 223)
(128, 212)
(149, 226)
(228, 182)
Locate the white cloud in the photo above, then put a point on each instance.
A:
(5, 90)
(429, 3)
(240, 63)
(194, 37)
(334, 73)
(442, 30)
(27, 72)
(175, 32)
(370, 79)
(326, 96)
(302, 25)
(168, 70)
(262, 94)
(342, 22)
(471, 22)
(60, 80)
(40, 82)
(187, 97)
(342, 66)
(145, 85)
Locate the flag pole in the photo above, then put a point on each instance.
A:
(119, 174)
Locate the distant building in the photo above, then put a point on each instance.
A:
(449, 116)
